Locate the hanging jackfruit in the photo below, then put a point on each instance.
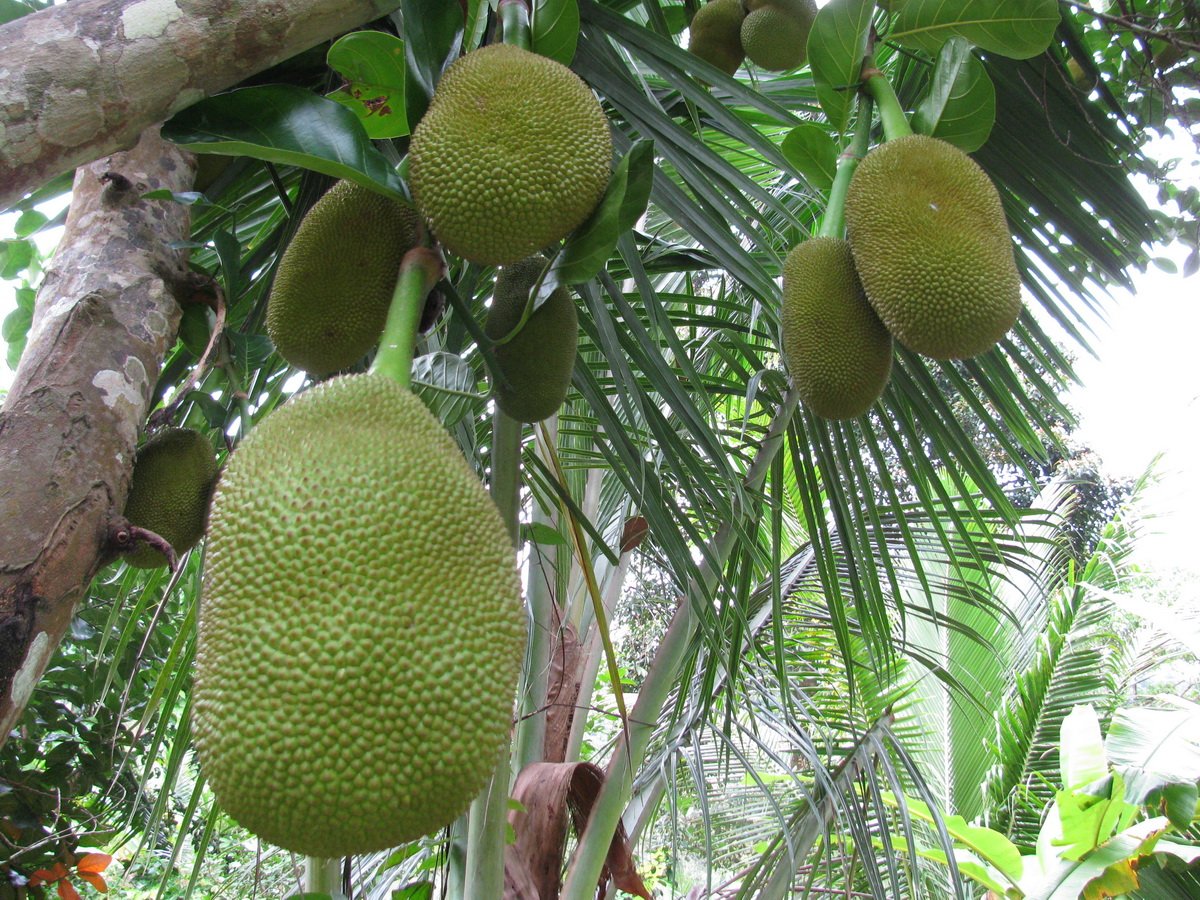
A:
(361, 627)
(837, 350)
(932, 247)
(512, 154)
(334, 284)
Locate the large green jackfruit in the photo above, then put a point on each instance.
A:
(173, 474)
(715, 34)
(536, 365)
(775, 38)
(932, 247)
(512, 154)
(361, 627)
(334, 284)
(837, 350)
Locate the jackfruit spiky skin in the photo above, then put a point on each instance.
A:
(715, 34)
(334, 284)
(798, 8)
(173, 474)
(837, 350)
(512, 154)
(536, 365)
(361, 627)
(932, 247)
(775, 39)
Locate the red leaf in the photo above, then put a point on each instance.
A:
(48, 876)
(96, 881)
(66, 892)
(94, 862)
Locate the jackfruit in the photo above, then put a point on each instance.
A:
(837, 350)
(334, 283)
(361, 627)
(536, 365)
(776, 39)
(512, 154)
(173, 474)
(932, 247)
(715, 34)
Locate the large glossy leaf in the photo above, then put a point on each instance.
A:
(960, 106)
(1015, 28)
(554, 29)
(837, 43)
(286, 125)
(814, 154)
(372, 62)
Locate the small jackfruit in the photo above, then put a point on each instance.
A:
(776, 39)
(536, 365)
(932, 247)
(361, 627)
(837, 350)
(512, 154)
(715, 34)
(334, 283)
(173, 474)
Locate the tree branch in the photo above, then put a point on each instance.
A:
(105, 315)
(85, 78)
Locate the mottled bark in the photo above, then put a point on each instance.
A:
(105, 315)
(84, 79)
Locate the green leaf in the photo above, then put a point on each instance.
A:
(477, 17)
(447, 385)
(1015, 28)
(29, 222)
(283, 124)
(541, 533)
(814, 154)
(1164, 741)
(554, 29)
(837, 44)
(590, 246)
(15, 331)
(961, 104)
(14, 9)
(433, 34)
(990, 846)
(372, 62)
(15, 257)
(1082, 755)
(1179, 802)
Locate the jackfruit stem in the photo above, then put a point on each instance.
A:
(514, 24)
(891, 113)
(833, 224)
(489, 811)
(420, 270)
(322, 876)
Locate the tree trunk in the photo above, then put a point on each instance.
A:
(84, 79)
(105, 316)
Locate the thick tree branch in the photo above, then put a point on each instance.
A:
(85, 78)
(105, 315)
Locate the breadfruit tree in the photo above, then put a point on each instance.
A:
(479, 306)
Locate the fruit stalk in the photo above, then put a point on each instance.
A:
(514, 24)
(420, 270)
(891, 113)
(489, 811)
(833, 224)
(322, 876)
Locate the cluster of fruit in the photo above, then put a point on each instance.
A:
(361, 627)
(772, 33)
(927, 259)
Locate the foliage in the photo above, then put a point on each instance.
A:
(857, 589)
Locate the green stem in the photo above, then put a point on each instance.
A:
(544, 623)
(672, 651)
(419, 272)
(322, 876)
(489, 812)
(834, 223)
(891, 113)
(514, 27)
